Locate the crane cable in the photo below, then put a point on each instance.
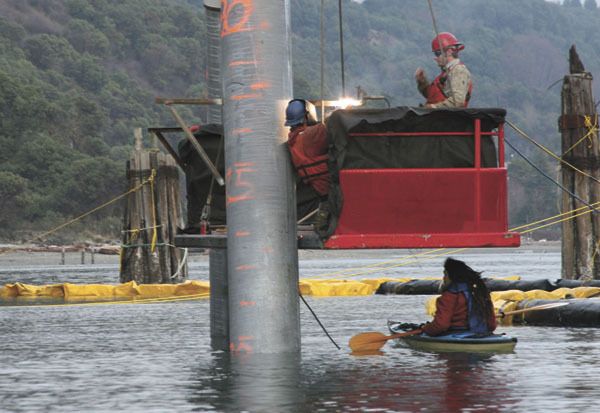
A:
(342, 49)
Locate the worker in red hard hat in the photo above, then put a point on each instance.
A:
(308, 145)
(452, 88)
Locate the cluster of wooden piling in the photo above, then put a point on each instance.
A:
(152, 215)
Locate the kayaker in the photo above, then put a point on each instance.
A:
(308, 145)
(465, 303)
(452, 87)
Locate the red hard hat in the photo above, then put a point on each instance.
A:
(447, 40)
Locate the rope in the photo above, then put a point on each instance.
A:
(153, 206)
(322, 39)
(112, 201)
(379, 265)
(318, 321)
(555, 216)
(592, 131)
(342, 49)
(587, 211)
(137, 230)
(549, 152)
(132, 301)
(443, 252)
(546, 175)
(435, 27)
(181, 264)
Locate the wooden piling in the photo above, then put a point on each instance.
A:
(151, 218)
(580, 255)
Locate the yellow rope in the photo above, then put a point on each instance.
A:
(414, 259)
(549, 152)
(153, 206)
(592, 130)
(132, 301)
(376, 265)
(553, 217)
(112, 201)
(588, 211)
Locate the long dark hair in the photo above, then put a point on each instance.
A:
(459, 272)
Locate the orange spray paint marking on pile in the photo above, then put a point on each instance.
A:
(245, 267)
(241, 25)
(239, 131)
(260, 85)
(241, 234)
(243, 345)
(243, 63)
(236, 183)
(246, 96)
(247, 303)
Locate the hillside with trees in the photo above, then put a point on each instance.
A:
(77, 76)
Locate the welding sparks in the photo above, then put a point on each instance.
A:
(345, 103)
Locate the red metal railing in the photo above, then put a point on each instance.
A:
(426, 207)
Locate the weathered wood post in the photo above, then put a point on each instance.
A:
(578, 125)
(151, 218)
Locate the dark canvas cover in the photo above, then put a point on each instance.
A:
(349, 150)
(199, 177)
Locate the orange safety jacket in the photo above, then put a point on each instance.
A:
(308, 148)
(435, 91)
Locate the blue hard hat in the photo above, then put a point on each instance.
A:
(295, 113)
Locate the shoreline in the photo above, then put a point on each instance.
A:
(25, 256)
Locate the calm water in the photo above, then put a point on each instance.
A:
(158, 357)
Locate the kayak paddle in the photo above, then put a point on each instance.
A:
(373, 340)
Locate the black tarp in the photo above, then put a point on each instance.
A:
(198, 180)
(198, 176)
(428, 151)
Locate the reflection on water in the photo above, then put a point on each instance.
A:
(450, 382)
(257, 382)
(158, 358)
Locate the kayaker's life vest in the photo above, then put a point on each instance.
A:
(435, 91)
(305, 144)
(477, 325)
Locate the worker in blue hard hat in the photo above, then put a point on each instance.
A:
(308, 145)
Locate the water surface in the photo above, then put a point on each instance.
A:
(158, 358)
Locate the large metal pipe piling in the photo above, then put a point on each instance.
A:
(262, 254)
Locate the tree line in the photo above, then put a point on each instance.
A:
(77, 76)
